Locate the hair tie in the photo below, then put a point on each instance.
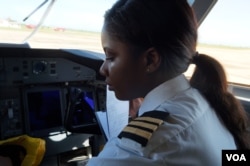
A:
(196, 55)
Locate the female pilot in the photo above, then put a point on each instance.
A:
(149, 44)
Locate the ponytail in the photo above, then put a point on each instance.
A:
(210, 79)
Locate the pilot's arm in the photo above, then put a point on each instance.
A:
(134, 145)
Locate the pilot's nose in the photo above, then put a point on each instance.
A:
(104, 69)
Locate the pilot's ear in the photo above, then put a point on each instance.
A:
(152, 60)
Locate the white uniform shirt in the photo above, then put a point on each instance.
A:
(193, 134)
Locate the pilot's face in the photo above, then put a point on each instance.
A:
(123, 71)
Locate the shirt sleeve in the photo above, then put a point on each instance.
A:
(129, 147)
(115, 155)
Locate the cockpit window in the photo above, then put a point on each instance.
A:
(223, 34)
(68, 24)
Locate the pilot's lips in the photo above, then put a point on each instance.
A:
(110, 87)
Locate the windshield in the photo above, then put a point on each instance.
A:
(224, 33)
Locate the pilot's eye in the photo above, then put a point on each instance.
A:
(110, 58)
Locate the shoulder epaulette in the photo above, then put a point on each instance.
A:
(141, 128)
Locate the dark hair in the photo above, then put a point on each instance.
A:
(210, 79)
(156, 23)
(170, 27)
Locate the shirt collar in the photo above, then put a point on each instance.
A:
(163, 92)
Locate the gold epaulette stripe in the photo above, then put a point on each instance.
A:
(139, 132)
(152, 127)
(149, 119)
(142, 128)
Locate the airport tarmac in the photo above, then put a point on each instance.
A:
(235, 60)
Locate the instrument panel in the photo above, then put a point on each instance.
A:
(37, 89)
